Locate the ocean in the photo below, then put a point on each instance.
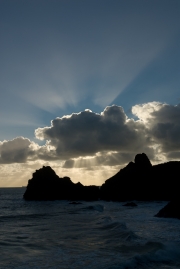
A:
(99, 235)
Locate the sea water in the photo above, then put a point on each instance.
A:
(100, 235)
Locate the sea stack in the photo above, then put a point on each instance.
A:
(46, 185)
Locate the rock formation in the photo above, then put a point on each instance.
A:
(171, 210)
(46, 185)
(139, 180)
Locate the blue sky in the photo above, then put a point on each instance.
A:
(60, 57)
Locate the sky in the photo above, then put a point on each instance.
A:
(85, 85)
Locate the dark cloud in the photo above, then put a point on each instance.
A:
(87, 133)
(166, 127)
(68, 164)
(16, 150)
(112, 138)
(89, 139)
(173, 155)
(46, 153)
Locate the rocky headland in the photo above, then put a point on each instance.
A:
(139, 180)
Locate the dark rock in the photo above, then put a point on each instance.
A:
(142, 161)
(130, 204)
(130, 183)
(46, 185)
(171, 210)
(140, 180)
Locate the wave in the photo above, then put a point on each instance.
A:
(117, 231)
(97, 207)
(151, 255)
(25, 216)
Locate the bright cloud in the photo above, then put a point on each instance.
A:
(145, 111)
(163, 125)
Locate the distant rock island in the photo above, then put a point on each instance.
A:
(139, 180)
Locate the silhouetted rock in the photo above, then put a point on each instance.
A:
(139, 180)
(130, 204)
(142, 160)
(46, 185)
(171, 210)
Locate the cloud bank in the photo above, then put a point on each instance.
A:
(109, 138)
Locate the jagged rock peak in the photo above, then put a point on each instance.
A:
(141, 159)
(45, 170)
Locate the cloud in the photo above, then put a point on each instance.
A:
(69, 164)
(144, 111)
(87, 133)
(103, 159)
(46, 153)
(87, 139)
(163, 125)
(17, 150)
(173, 155)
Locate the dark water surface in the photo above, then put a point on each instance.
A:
(98, 235)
